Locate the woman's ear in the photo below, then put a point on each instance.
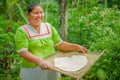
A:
(42, 18)
(27, 14)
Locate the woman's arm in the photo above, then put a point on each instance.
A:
(65, 46)
(34, 59)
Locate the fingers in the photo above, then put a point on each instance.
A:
(85, 50)
(44, 65)
(82, 49)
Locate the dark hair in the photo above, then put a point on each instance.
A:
(31, 7)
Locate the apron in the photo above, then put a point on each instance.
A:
(38, 74)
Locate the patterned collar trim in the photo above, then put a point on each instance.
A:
(33, 34)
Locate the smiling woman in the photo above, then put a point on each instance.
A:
(37, 40)
(35, 15)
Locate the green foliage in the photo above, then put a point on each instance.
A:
(10, 5)
(8, 56)
(101, 74)
(22, 13)
(90, 24)
(98, 30)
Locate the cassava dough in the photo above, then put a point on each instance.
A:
(74, 63)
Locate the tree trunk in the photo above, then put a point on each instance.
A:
(106, 3)
(63, 19)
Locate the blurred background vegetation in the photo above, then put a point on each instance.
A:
(94, 24)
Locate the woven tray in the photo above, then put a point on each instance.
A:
(92, 58)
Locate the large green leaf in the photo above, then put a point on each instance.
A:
(22, 13)
(101, 74)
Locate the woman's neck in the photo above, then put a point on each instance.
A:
(36, 27)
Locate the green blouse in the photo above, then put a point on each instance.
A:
(40, 44)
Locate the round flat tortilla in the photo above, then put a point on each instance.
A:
(74, 63)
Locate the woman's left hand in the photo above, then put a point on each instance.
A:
(81, 48)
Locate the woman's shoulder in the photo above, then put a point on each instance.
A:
(21, 28)
(46, 23)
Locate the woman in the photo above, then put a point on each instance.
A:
(37, 40)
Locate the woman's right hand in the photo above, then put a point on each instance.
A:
(44, 65)
(34, 59)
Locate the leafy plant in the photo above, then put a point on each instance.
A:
(8, 56)
(90, 24)
(98, 31)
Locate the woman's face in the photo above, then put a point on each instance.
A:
(36, 16)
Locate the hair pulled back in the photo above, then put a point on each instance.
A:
(31, 7)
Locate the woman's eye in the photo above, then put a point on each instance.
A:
(36, 13)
